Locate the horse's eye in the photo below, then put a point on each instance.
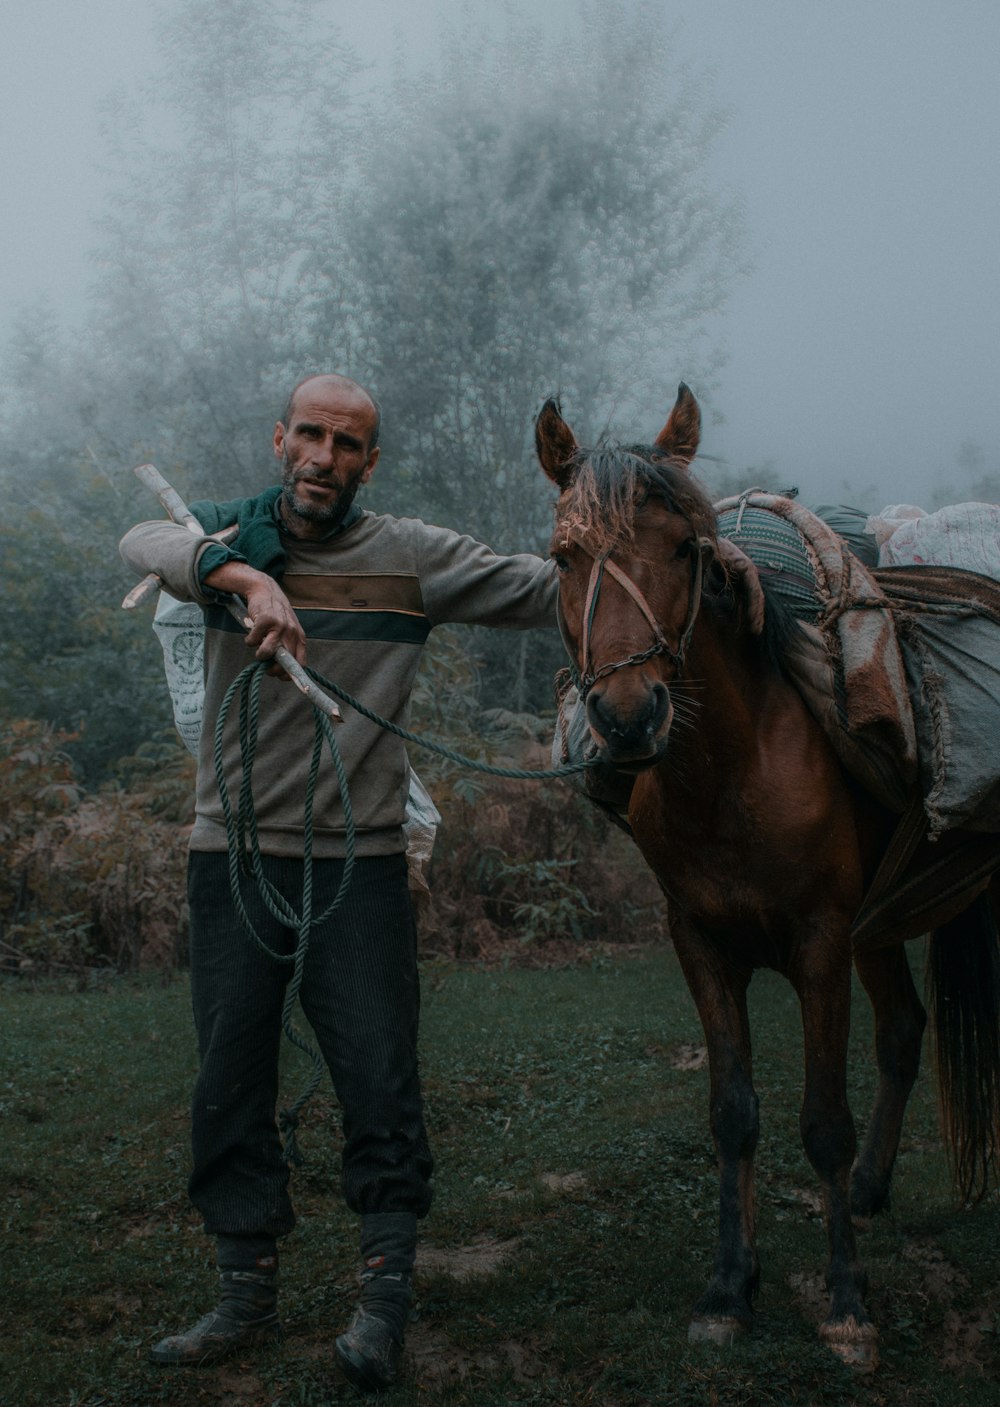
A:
(685, 549)
(562, 565)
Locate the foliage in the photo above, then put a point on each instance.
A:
(575, 1191)
(528, 871)
(68, 654)
(91, 881)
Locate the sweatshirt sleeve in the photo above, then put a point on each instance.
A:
(174, 554)
(464, 581)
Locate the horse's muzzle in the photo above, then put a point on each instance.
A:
(633, 736)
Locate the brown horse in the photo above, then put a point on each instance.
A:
(764, 847)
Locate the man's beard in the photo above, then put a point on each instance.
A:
(332, 514)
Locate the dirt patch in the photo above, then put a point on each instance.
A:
(479, 1258)
(807, 1197)
(436, 1362)
(967, 1340)
(232, 1385)
(563, 1182)
(811, 1295)
(967, 1344)
(684, 1056)
(942, 1279)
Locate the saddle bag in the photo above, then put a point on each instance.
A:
(848, 667)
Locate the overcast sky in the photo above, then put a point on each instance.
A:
(864, 346)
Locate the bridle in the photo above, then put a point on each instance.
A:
(587, 676)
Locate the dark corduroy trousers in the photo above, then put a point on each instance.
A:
(360, 993)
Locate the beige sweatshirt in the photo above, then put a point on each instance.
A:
(367, 600)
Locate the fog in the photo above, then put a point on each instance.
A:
(862, 345)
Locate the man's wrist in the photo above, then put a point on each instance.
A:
(233, 577)
(215, 555)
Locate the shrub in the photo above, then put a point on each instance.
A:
(92, 880)
(532, 872)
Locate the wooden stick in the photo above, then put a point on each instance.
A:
(236, 606)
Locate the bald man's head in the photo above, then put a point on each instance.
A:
(347, 388)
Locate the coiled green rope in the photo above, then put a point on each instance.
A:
(243, 842)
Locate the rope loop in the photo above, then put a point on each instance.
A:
(243, 842)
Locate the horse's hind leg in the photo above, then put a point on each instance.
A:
(725, 1309)
(899, 1027)
(822, 979)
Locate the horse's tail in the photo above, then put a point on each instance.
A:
(963, 993)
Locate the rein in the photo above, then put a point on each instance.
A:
(588, 675)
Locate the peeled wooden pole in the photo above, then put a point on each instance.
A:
(236, 606)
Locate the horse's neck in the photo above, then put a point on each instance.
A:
(737, 699)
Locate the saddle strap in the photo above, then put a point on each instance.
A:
(912, 825)
(902, 903)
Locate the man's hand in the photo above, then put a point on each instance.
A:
(272, 620)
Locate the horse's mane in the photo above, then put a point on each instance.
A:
(612, 483)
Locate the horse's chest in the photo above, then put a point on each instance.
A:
(715, 871)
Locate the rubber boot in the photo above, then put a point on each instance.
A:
(371, 1347)
(246, 1313)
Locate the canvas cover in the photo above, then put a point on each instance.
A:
(949, 627)
(849, 667)
(941, 601)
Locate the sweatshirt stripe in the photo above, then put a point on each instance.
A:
(386, 627)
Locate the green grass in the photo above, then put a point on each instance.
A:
(564, 1137)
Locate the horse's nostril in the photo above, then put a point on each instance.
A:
(661, 705)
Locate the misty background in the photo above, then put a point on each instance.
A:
(862, 141)
(470, 206)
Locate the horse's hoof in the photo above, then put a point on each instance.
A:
(854, 1344)
(716, 1330)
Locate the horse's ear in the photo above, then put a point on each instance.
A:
(679, 437)
(555, 443)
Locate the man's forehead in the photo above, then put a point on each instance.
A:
(324, 396)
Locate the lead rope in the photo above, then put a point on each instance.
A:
(243, 842)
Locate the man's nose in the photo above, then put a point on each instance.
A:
(322, 453)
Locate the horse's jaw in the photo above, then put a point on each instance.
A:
(634, 759)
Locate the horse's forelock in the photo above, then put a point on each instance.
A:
(611, 484)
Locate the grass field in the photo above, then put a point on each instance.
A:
(573, 1224)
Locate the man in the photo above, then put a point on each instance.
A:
(357, 592)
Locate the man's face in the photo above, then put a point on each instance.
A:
(324, 454)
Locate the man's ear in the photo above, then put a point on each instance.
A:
(279, 440)
(369, 468)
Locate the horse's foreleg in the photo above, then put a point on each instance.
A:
(725, 1309)
(899, 1026)
(823, 983)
